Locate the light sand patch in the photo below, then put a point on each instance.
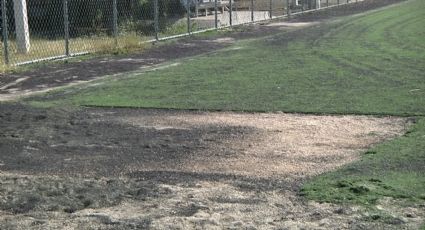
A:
(292, 24)
(13, 83)
(17, 94)
(224, 40)
(289, 145)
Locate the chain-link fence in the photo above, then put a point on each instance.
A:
(46, 29)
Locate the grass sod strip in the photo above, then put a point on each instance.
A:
(372, 64)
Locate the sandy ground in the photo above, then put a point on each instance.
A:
(288, 145)
(200, 170)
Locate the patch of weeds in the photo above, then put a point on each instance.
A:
(178, 27)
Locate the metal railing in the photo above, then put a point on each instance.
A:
(39, 30)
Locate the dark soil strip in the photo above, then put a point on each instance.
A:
(61, 74)
(56, 141)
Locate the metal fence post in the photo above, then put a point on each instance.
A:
(215, 14)
(156, 18)
(271, 9)
(252, 11)
(337, 2)
(327, 3)
(288, 8)
(231, 12)
(302, 6)
(188, 15)
(66, 26)
(5, 32)
(115, 21)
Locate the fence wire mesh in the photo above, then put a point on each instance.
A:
(43, 29)
(173, 17)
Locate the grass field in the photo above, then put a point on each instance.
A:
(362, 65)
(372, 64)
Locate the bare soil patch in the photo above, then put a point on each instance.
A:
(51, 76)
(158, 169)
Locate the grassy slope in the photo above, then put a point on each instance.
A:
(364, 65)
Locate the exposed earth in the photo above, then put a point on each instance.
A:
(132, 169)
(110, 168)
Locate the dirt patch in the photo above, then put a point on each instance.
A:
(158, 169)
(63, 74)
(303, 141)
(285, 24)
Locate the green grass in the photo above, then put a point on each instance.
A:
(393, 169)
(364, 65)
(370, 64)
